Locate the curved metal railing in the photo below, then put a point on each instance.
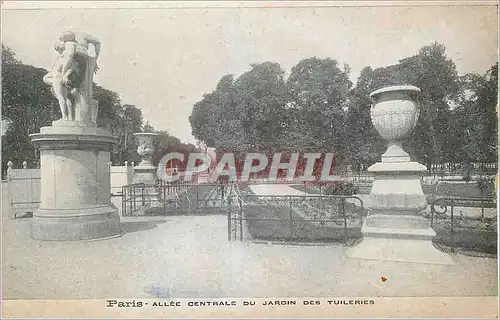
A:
(298, 208)
(451, 202)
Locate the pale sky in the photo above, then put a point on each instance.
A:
(163, 60)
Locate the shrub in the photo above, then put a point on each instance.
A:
(341, 188)
(486, 186)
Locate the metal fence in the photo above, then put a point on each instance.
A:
(469, 223)
(295, 218)
(175, 198)
(466, 223)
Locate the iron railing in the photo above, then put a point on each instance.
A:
(130, 195)
(476, 231)
(295, 218)
(175, 198)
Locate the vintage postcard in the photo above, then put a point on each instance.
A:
(249, 159)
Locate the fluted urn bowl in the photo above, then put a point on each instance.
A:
(145, 146)
(395, 111)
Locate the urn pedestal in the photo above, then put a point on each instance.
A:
(145, 172)
(75, 183)
(395, 228)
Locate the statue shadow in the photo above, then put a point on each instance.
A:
(137, 226)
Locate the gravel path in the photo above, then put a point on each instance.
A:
(189, 256)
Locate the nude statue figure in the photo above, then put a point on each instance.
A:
(65, 91)
(76, 50)
(88, 44)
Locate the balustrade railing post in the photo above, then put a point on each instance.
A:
(124, 200)
(452, 233)
(241, 223)
(432, 212)
(132, 192)
(290, 218)
(164, 199)
(345, 219)
(229, 223)
(143, 199)
(197, 196)
(482, 209)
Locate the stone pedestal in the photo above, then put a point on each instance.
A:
(75, 183)
(145, 172)
(395, 229)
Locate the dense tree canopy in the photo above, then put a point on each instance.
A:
(316, 109)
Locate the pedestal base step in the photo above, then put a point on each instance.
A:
(70, 228)
(402, 250)
(398, 233)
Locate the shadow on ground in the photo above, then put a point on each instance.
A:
(136, 226)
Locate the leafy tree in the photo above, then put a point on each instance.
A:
(259, 100)
(109, 104)
(316, 108)
(127, 122)
(214, 120)
(478, 121)
(8, 56)
(27, 105)
(365, 144)
(436, 76)
(164, 144)
(487, 102)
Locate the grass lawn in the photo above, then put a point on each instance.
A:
(193, 201)
(476, 240)
(297, 229)
(470, 235)
(450, 189)
(464, 239)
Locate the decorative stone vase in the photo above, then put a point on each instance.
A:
(146, 147)
(394, 228)
(394, 115)
(145, 171)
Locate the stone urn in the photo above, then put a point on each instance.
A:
(146, 147)
(145, 172)
(394, 115)
(394, 228)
